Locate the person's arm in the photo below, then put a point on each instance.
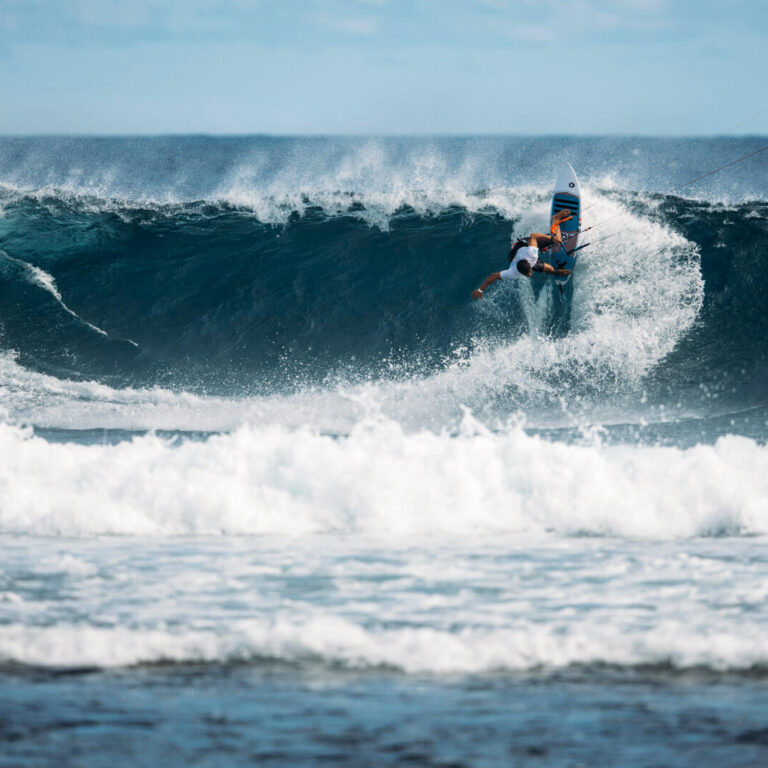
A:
(548, 269)
(478, 294)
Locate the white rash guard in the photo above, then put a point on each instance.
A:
(528, 253)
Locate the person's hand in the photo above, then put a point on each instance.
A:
(477, 294)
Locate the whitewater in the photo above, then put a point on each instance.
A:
(254, 429)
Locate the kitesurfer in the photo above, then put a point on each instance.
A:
(524, 256)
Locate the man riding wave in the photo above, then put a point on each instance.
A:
(524, 257)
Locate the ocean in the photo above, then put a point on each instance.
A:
(274, 490)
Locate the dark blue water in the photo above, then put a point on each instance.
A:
(277, 717)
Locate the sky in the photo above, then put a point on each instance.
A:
(639, 67)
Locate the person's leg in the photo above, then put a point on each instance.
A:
(557, 220)
(539, 240)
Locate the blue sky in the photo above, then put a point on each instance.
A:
(664, 67)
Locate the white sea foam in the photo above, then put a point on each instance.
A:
(335, 640)
(436, 603)
(381, 480)
(28, 397)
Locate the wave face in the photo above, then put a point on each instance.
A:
(359, 274)
(259, 358)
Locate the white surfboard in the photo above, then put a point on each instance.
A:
(567, 196)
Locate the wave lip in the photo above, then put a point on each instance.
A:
(173, 169)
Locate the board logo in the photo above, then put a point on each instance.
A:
(571, 184)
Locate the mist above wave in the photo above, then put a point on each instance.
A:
(274, 176)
